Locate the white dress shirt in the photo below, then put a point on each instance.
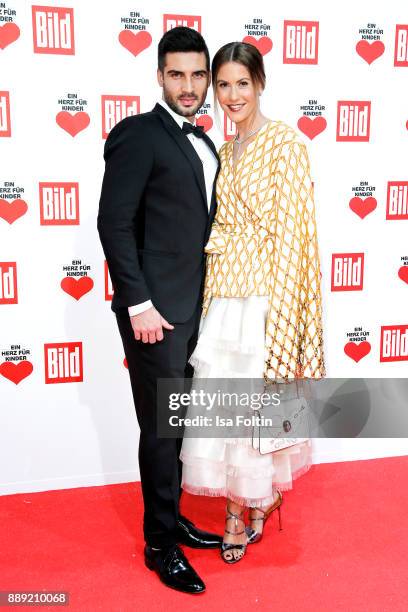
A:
(210, 164)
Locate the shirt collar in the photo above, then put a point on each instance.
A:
(177, 118)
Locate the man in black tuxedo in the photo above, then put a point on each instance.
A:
(156, 208)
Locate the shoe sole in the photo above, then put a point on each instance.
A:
(151, 567)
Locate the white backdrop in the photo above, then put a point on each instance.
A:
(79, 428)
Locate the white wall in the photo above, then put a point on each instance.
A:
(77, 434)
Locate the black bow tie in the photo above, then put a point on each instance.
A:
(189, 128)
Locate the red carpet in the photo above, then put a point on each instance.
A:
(344, 546)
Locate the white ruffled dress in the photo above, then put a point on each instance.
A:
(231, 344)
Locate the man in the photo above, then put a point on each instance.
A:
(156, 208)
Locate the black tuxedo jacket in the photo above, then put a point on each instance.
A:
(153, 218)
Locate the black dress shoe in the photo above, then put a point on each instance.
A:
(173, 569)
(190, 535)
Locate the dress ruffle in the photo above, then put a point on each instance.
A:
(249, 502)
(231, 345)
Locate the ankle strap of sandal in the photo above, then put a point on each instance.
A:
(236, 517)
(275, 504)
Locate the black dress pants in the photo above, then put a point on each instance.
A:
(159, 463)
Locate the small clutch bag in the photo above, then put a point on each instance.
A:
(284, 411)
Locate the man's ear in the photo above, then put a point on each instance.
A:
(160, 77)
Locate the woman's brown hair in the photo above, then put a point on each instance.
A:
(242, 53)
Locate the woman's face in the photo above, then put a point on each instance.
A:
(236, 92)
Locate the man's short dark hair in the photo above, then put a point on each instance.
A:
(181, 40)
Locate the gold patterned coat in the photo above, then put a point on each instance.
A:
(263, 242)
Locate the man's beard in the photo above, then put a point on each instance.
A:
(184, 112)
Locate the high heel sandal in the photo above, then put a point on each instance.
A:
(253, 535)
(229, 547)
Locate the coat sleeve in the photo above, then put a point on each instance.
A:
(128, 158)
(294, 323)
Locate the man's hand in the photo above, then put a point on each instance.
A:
(148, 326)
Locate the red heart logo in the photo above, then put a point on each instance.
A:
(72, 123)
(263, 44)
(312, 126)
(8, 34)
(77, 287)
(16, 372)
(403, 273)
(205, 121)
(356, 350)
(370, 51)
(11, 210)
(135, 43)
(361, 207)
(125, 363)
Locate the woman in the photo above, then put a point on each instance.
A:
(262, 306)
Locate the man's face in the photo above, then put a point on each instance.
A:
(185, 81)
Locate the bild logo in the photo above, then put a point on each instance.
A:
(401, 46)
(63, 362)
(347, 271)
(116, 108)
(230, 129)
(300, 42)
(53, 30)
(397, 200)
(8, 282)
(189, 21)
(107, 283)
(5, 127)
(59, 203)
(394, 343)
(353, 121)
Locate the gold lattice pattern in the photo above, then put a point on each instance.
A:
(264, 242)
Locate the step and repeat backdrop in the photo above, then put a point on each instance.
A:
(69, 71)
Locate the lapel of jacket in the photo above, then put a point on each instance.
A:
(210, 143)
(187, 149)
(213, 207)
(213, 203)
